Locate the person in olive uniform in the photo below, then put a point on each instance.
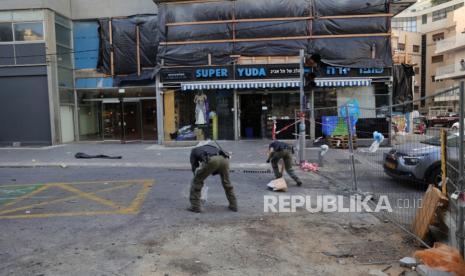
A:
(209, 160)
(280, 150)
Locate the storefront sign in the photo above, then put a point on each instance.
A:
(332, 71)
(269, 71)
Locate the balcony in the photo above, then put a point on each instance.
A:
(451, 95)
(450, 44)
(451, 71)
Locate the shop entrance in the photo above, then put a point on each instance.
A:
(133, 120)
(251, 120)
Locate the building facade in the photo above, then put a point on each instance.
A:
(437, 25)
(78, 70)
(250, 80)
(39, 99)
(453, 49)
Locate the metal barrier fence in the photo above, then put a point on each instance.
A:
(400, 168)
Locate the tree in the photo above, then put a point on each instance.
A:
(438, 2)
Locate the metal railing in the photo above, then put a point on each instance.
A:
(399, 169)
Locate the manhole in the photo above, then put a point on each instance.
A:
(257, 171)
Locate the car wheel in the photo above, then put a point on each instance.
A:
(434, 177)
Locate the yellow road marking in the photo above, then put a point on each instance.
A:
(59, 200)
(69, 214)
(31, 194)
(89, 196)
(82, 182)
(134, 207)
(137, 203)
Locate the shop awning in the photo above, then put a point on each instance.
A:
(241, 84)
(342, 82)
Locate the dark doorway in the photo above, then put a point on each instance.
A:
(149, 120)
(251, 116)
(132, 121)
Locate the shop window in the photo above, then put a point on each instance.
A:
(28, 31)
(438, 37)
(437, 59)
(416, 48)
(6, 32)
(401, 46)
(424, 19)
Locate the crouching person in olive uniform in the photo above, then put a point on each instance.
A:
(209, 160)
(277, 151)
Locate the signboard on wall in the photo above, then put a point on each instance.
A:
(267, 71)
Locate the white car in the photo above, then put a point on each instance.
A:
(455, 127)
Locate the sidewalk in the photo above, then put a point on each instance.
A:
(245, 154)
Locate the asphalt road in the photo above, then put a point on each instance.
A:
(79, 211)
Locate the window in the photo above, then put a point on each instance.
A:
(437, 59)
(439, 36)
(438, 15)
(63, 35)
(401, 46)
(416, 48)
(424, 19)
(406, 24)
(6, 32)
(433, 78)
(28, 31)
(416, 70)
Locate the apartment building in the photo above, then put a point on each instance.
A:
(38, 99)
(437, 26)
(453, 49)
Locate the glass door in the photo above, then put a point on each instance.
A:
(132, 121)
(111, 121)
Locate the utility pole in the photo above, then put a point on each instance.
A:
(461, 201)
(302, 108)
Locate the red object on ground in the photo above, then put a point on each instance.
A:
(309, 167)
(444, 258)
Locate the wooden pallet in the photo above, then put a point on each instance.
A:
(340, 142)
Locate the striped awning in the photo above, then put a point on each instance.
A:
(240, 84)
(293, 83)
(343, 82)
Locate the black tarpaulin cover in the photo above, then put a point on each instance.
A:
(361, 52)
(402, 89)
(372, 51)
(104, 63)
(124, 34)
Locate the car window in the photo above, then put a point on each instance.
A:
(434, 141)
(453, 140)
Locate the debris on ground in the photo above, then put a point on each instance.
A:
(442, 258)
(408, 262)
(377, 272)
(309, 167)
(424, 270)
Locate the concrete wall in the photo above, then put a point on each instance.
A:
(61, 6)
(84, 9)
(88, 9)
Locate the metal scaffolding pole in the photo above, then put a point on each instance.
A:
(302, 109)
(460, 216)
